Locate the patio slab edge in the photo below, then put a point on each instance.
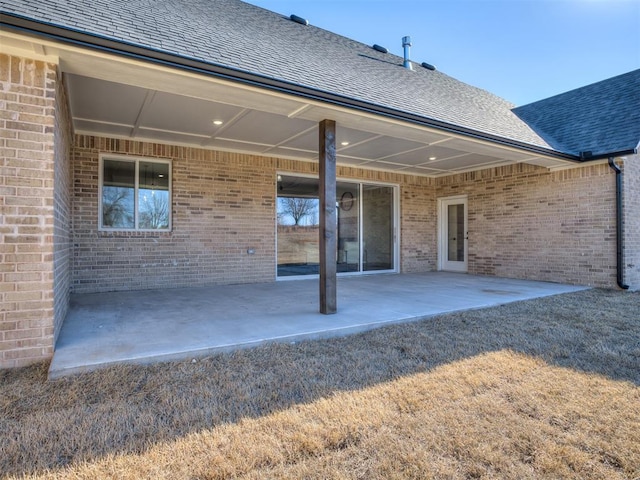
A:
(56, 371)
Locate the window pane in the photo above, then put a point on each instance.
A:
(153, 196)
(154, 175)
(153, 209)
(118, 194)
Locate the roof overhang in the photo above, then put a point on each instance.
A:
(125, 91)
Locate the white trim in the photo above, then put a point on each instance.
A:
(37, 51)
(134, 159)
(590, 163)
(443, 264)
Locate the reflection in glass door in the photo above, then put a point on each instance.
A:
(377, 228)
(453, 235)
(297, 226)
(365, 227)
(348, 207)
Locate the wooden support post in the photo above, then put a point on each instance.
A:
(328, 217)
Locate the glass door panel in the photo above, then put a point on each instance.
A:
(365, 227)
(377, 228)
(453, 234)
(298, 226)
(348, 207)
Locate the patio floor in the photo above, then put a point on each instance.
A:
(151, 325)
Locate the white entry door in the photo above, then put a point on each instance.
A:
(452, 234)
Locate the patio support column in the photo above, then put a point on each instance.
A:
(328, 217)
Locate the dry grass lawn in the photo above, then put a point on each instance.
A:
(548, 388)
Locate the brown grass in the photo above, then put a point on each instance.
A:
(548, 388)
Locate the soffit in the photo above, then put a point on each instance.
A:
(124, 98)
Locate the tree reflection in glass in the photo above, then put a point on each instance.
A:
(118, 193)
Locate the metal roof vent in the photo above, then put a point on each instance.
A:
(300, 20)
(428, 66)
(379, 48)
(406, 43)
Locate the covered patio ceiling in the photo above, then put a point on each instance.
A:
(119, 97)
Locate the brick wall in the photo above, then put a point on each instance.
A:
(419, 226)
(526, 222)
(27, 120)
(62, 255)
(631, 220)
(223, 205)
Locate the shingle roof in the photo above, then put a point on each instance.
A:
(247, 38)
(600, 118)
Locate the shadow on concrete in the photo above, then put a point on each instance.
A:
(144, 326)
(590, 331)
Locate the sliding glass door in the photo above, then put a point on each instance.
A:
(298, 226)
(365, 225)
(348, 209)
(377, 228)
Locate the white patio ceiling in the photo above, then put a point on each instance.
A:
(123, 98)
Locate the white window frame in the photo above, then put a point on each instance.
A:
(136, 160)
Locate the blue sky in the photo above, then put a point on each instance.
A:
(521, 50)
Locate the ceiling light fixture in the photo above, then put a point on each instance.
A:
(344, 144)
(217, 122)
(432, 158)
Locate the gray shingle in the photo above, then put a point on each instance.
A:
(245, 37)
(601, 118)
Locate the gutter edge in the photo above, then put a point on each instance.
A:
(619, 226)
(131, 50)
(607, 156)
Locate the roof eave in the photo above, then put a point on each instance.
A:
(140, 52)
(601, 156)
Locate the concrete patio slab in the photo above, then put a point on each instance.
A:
(152, 325)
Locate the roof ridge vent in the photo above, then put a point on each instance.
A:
(380, 48)
(300, 20)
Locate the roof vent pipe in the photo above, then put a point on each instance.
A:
(406, 43)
